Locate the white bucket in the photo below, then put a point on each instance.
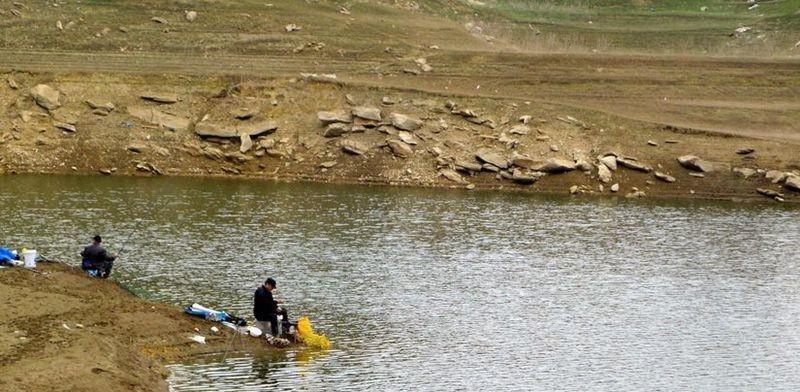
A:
(30, 258)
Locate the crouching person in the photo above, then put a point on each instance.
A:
(266, 309)
(96, 260)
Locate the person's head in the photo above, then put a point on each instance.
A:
(97, 240)
(270, 284)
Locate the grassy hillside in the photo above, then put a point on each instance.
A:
(671, 26)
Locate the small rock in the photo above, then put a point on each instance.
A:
(792, 183)
(745, 172)
(519, 130)
(525, 179)
(692, 162)
(246, 143)
(492, 157)
(652, 143)
(452, 175)
(337, 116)
(244, 113)
(354, 147)
(769, 192)
(159, 20)
(775, 176)
(698, 175)
(106, 172)
(291, 27)
(327, 164)
(525, 119)
(404, 122)
(159, 97)
(615, 188)
(633, 165)
(400, 148)
(46, 96)
(12, 83)
(555, 165)
(604, 173)
(335, 130)
(664, 177)
(190, 15)
(610, 162)
(554, 148)
(745, 151)
(137, 148)
(107, 106)
(65, 126)
(573, 190)
(387, 101)
(407, 137)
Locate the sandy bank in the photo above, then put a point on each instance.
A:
(122, 346)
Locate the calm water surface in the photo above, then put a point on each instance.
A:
(449, 290)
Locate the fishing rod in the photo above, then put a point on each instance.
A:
(128, 240)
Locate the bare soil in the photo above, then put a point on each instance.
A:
(115, 341)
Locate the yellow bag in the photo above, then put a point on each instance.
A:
(309, 337)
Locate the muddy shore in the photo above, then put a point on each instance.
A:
(64, 331)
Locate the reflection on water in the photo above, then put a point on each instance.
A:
(444, 290)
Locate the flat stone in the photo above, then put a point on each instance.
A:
(106, 172)
(463, 165)
(407, 137)
(354, 147)
(367, 113)
(555, 165)
(336, 116)
(664, 177)
(137, 148)
(157, 117)
(769, 192)
(652, 143)
(244, 113)
(65, 126)
(492, 157)
(400, 148)
(695, 163)
(107, 106)
(404, 122)
(633, 165)
(524, 161)
(698, 175)
(745, 172)
(452, 175)
(519, 130)
(521, 178)
(208, 129)
(159, 20)
(745, 151)
(159, 97)
(328, 164)
(46, 96)
(335, 130)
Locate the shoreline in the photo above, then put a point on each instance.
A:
(740, 195)
(67, 331)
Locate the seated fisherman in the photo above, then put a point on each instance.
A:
(95, 257)
(266, 310)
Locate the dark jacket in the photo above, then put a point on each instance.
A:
(95, 255)
(263, 304)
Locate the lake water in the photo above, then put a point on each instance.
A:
(449, 290)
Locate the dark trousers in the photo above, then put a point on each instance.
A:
(273, 321)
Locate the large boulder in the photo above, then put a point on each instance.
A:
(406, 123)
(492, 158)
(46, 96)
(367, 113)
(555, 165)
(336, 116)
(695, 163)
